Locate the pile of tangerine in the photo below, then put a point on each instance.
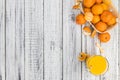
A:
(99, 14)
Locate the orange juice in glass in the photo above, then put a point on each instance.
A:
(97, 64)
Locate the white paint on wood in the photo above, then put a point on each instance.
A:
(14, 39)
(89, 47)
(43, 42)
(111, 53)
(2, 40)
(34, 40)
(53, 40)
(119, 44)
(71, 43)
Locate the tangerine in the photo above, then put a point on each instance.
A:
(112, 21)
(106, 16)
(105, 6)
(108, 2)
(87, 29)
(80, 19)
(99, 1)
(101, 26)
(88, 3)
(95, 19)
(87, 9)
(97, 9)
(104, 37)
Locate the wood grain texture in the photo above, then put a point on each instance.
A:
(34, 40)
(89, 47)
(119, 44)
(111, 53)
(71, 43)
(2, 40)
(39, 40)
(53, 40)
(14, 39)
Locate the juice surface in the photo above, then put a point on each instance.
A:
(97, 65)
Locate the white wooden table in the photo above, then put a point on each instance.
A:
(40, 41)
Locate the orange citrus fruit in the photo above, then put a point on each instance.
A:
(80, 19)
(112, 21)
(87, 29)
(105, 7)
(99, 1)
(95, 19)
(88, 3)
(106, 16)
(101, 26)
(87, 9)
(108, 2)
(97, 9)
(104, 37)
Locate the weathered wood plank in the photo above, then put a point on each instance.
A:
(111, 53)
(89, 47)
(14, 39)
(53, 39)
(2, 40)
(119, 48)
(40, 46)
(71, 43)
(34, 40)
(119, 43)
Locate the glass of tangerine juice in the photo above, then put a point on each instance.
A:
(97, 64)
